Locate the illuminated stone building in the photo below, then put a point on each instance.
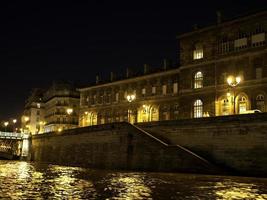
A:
(199, 87)
(61, 107)
(49, 110)
(33, 117)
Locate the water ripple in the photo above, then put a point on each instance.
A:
(23, 180)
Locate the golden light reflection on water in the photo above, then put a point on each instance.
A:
(129, 187)
(66, 184)
(22, 180)
(233, 190)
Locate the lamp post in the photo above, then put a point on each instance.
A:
(69, 112)
(5, 124)
(130, 98)
(233, 82)
(14, 124)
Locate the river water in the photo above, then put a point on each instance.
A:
(24, 180)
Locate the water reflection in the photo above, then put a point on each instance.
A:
(22, 180)
(234, 190)
(129, 186)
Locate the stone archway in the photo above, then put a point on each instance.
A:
(242, 103)
(90, 119)
(148, 113)
(225, 105)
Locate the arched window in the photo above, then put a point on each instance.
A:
(198, 109)
(198, 80)
(260, 103)
(198, 51)
(242, 104)
(225, 107)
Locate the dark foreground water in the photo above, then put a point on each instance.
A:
(22, 180)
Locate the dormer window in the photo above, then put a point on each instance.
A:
(198, 51)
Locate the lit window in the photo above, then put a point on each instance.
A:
(144, 91)
(258, 73)
(175, 88)
(198, 109)
(198, 80)
(164, 89)
(242, 104)
(117, 97)
(153, 90)
(258, 39)
(198, 52)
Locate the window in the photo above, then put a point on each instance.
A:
(164, 89)
(240, 43)
(94, 99)
(144, 91)
(258, 73)
(153, 90)
(258, 39)
(242, 104)
(117, 97)
(108, 98)
(260, 103)
(225, 107)
(38, 112)
(175, 88)
(198, 52)
(224, 47)
(198, 109)
(38, 105)
(198, 80)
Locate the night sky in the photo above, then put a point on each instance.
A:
(46, 41)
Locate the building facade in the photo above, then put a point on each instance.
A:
(33, 117)
(58, 99)
(52, 110)
(222, 71)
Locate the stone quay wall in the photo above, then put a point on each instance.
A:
(237, 143)
(115, 146)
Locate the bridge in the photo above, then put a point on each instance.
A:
(14, 145)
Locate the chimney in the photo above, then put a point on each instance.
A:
(165, 64)
(111, 76)
(219, 17)
(146, 68)
(97, 79)
(127, 72)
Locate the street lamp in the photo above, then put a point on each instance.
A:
(130, 98)
(6, 124)
(26, 119)
(14, 122)
(233, 82)
(69, 111)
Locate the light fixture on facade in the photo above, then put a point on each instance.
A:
(59, 130)
(14, 121)
(26, 118)
(130, 97)
(69, 111)
(233, 81)
(6, 124)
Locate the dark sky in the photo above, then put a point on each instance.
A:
(42, 41)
